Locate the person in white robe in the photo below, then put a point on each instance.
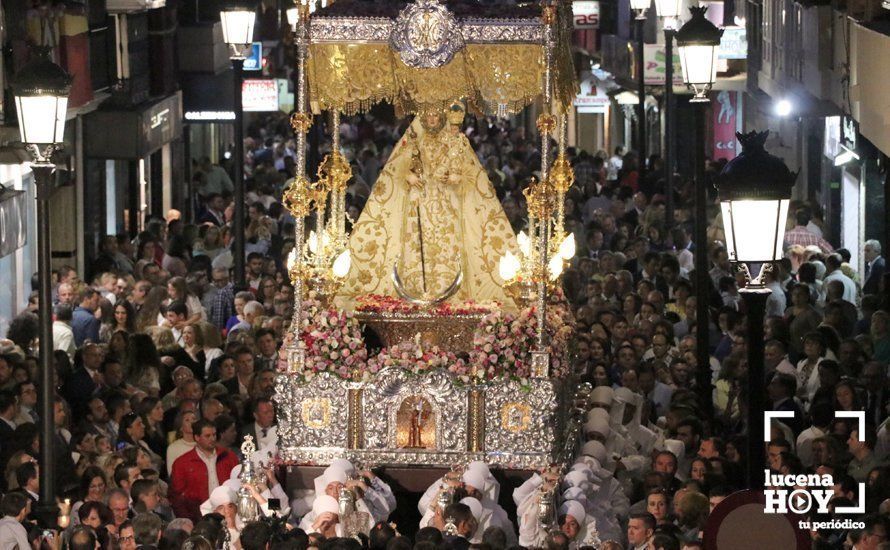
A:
(375, 493)
(329, 485)
(324, 518)
(479, 489)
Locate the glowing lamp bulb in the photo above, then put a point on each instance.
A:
(555, 267)
(342, 264)
(524, 243)
(508, 266)
(313, 242)
(567, 247)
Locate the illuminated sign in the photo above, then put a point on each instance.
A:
(209, 116)
(254, 61)
(259, 95)
(733, 44)
(586, 14)
(593, 98)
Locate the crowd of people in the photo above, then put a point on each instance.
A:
(163, 364)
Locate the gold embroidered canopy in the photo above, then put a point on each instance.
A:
(424, 54)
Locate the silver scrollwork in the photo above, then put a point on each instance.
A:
(393, 385)
(426, 35)
(473, 31)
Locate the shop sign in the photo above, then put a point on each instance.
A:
(654, 65)
(209, 116)
(259, 95)
(726, 109)
(254, 61)
(162, 123)
(586, 14)
(734, 44)
(593, 98)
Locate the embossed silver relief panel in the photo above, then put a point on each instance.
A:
(521, 420)
(320, 412)
(392, 386)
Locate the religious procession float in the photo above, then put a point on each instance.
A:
(474, 355)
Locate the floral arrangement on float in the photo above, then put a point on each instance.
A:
(413, 357)
(379, 304)
(332, 341)
(503, 343)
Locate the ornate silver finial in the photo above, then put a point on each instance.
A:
(248, 508)
(450, 527)
(426, 35)
(248, 447)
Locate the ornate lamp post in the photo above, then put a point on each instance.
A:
(237, 26)
(668, 12)
(41, 99)
(754, 191)
(697, 41)
(640, 7)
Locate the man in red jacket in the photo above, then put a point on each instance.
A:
(198, 472)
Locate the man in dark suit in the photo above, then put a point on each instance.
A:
(781, 391)
(86, 381)
(29, 485)
(7, 414)
(874, 267)
(874, 379)
(261, 429)
(215, 211)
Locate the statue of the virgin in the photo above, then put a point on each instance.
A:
(432, 214)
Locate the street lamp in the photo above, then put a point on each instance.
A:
(668, 12)
(697, 41)
(237, 26)
(640, 7)
(41, 98)
(754, 191)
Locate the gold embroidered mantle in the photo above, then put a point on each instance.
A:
(463, 224)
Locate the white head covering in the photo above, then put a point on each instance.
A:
(492, 486)
(218, 497)
(474, 505)
(633, 399)
(575, 509)
(325, 503)
(589, 461)
(476, 479)
(576, 494)
(598, 422)
(577, 479)
(595, 449)
(233, 482)
(344, 465)
(676, 447)
(331, 474)
(602, 395)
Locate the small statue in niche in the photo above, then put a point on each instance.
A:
(416, 423)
